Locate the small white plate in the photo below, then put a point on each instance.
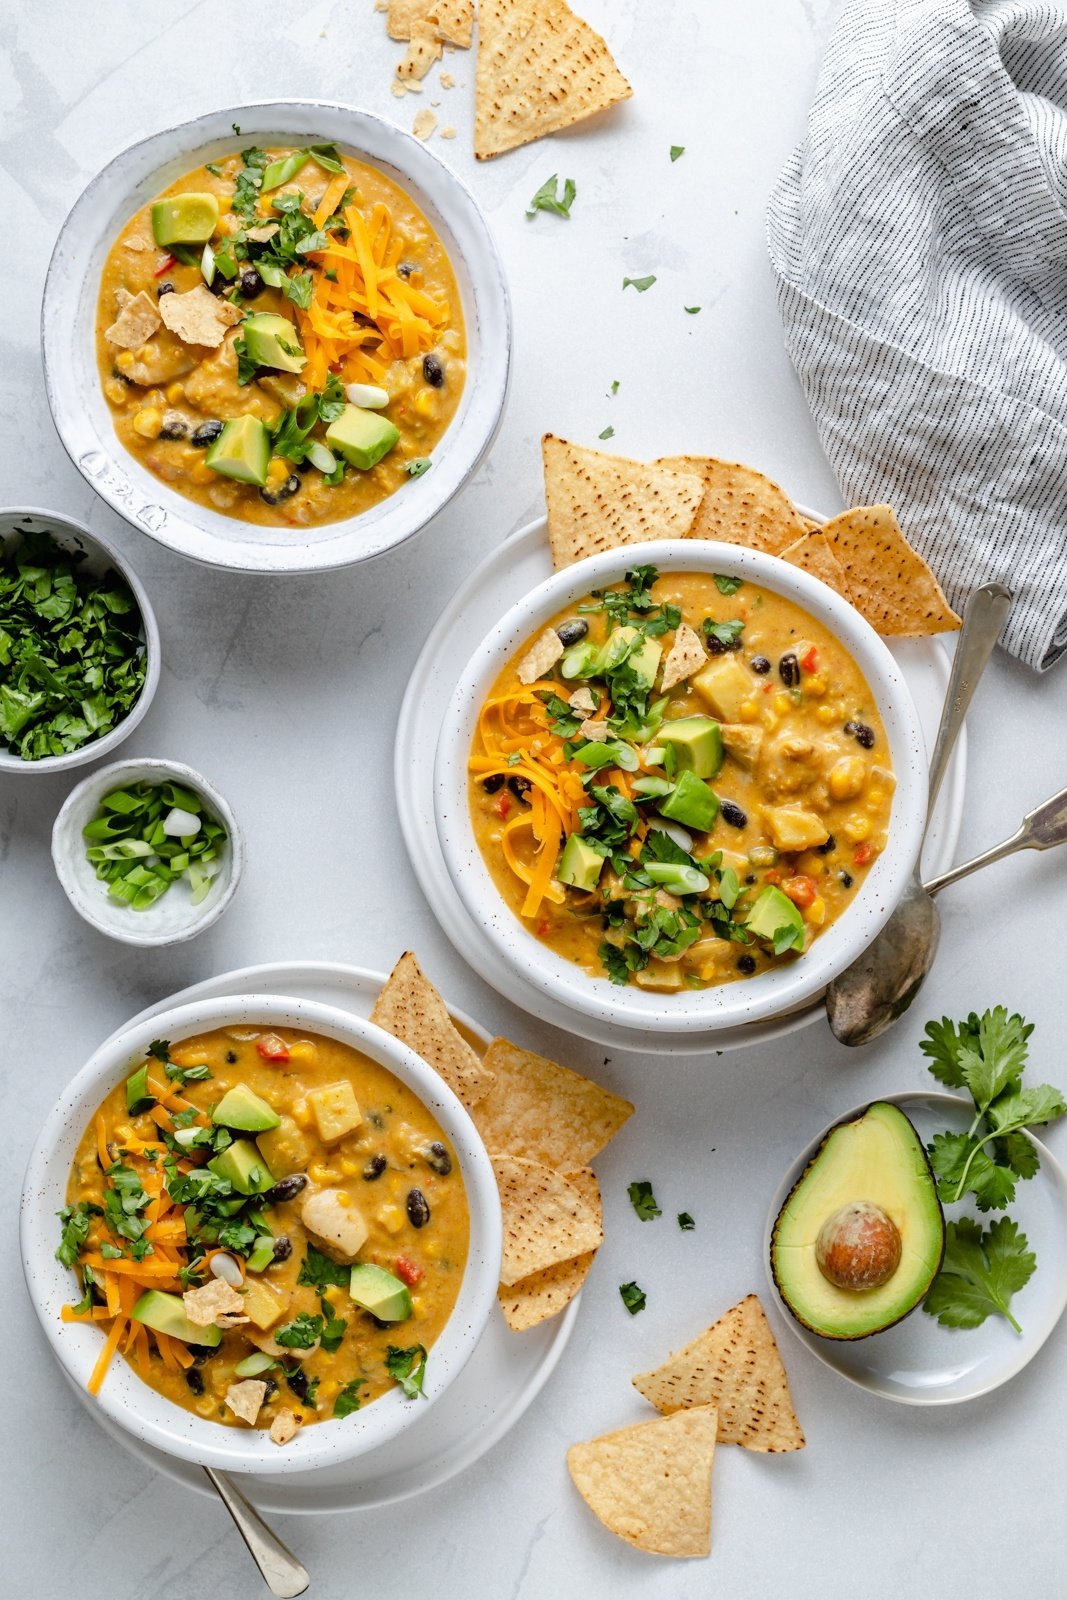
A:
(500, 1381)
(918, 1362)
(511, 571)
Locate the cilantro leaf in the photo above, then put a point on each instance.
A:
(691, 311)
(980, 1273)
(1016, 1151)
(547, 198)
(1026, 1107)
(160, 1049)
(685, 1222)
(347, 1400)
(333, 1327)
(956, 1160)
(301, 1333)
(643, 1201)
(318, 1271)
(407, 1367)
(608, 433)
(727, 585)
(633, 1297)
(640, 284)
(75, 1220)
(676, 151)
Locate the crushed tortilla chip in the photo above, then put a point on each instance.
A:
(599, 502)
(740, 505)
(583, 701)
(546, 1217)
(216, 1304)
(262, 234)
(410, 1008)
(244, 1399)
(447, 81)
(422, 52)
(448, 133)
(540, 68)
(814, 553)
(451, 21)
(540, 658)
(687, 655)
(651, 1483)
(285, 1426)
(136, 243)
(139, 317)
(596, 729)
(541, 1111)
(424, 124)
(890, 584)
(546, 1293)
(735, 1365)
(198, 316)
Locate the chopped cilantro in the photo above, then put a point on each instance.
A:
(347, 1400)
(75, 1220)
(333, 1327)
(614, 387)
(407, 1367)
(676, 151)
(643, 1201)
(692, 310)
(608, 433)
(727, 585)
(300, 1334)
(685, 1222)
(633, 1298)
(160, 1049)
(548, 199)
(640, 284)
(725, 634)
(318, 1271)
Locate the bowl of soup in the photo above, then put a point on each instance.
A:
(261, 1232)
(283, 348)
(682, 785)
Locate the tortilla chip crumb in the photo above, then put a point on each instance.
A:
(583, 701)
(596, 730)
(284, 1426)
(216, 1304)
(540, 658)
(197, 317)
(448, 133)
(261, 235)
(244, 1399)
(687, 655)
(138, 318)
(447, 82)
(136, 243)
(424, 124)
(423, 50)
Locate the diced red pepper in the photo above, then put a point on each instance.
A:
(862, 854)
(772, 876)
(503, 806)
(542, 927)
(409, 1271)
(767, 687)
(801, 890)
(810, 659)
(272, 1047)
(171, 261)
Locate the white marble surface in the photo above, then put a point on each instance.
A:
(286, 694)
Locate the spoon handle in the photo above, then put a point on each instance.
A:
(279, 1568)
(1041, 829)
(984, 617)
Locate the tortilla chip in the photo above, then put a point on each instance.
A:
(651, 1483)
(285, 1426)
(740, 505)
(540, 68)
(452, 20)
(814, 553)
(138, 318)
(424, 123)
(410, 1008)
(136, 243)
(198, 316)
(545, 1294)
(423, 51)
(735, 1365)
(890, 584)
(541, 657)
(599, 502)
(687, 655)
(596, 729)
(215, 1304)
(244, 1399)
(546, 1218)
(540, 1111)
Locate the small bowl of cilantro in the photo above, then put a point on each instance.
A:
(148, 851)
(79, 645)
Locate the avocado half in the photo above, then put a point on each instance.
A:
(875, 1160)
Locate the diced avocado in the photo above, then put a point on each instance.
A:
(242, 1164)
(580, 865)
(240, 1107)
(378, 1292)
(697, 745)
(692, 803)
(285, 1149)
(645, 662)
(262, 1254)
(362, 437)
(242, 451)
(615, 648)
(138, 1095)
(166, 1314)
(773, 914)
(272, 341)
(185, 219)
(725, 683)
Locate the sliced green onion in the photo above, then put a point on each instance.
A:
(321, 457)
(676, 877)
(207, 265)
(149, 836)
(285, 170)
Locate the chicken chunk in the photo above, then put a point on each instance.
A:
(335, 1222)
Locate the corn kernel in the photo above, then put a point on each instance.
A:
(748, 711)
(322, 1174)
(300, 1113)
(303, 1050)
(176, 393)
(149, 422)
(391, 1218)
(857, 829)
(816, 686)
(342, 1198)
(277, 473)
(826, 715)
(848, 777)
(816, 912)
(781, 703)
(424, 404)
(875, 798)
(115, 390)
(349, 1169)
(124, 361)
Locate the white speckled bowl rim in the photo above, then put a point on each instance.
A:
(132, 1404)
(696, 1011)
(68, 316)
(100, 555)
(173, 917)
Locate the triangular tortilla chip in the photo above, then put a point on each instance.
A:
(815, 554)
(452, 20)
(540, 68)
(541, 1111)
(545, 1294)
(651, 1483)
(734, 1363)
(546, 1218)
(410, 1008)
(599, 502)
(740, 505)
(687, 655)
(890, 583)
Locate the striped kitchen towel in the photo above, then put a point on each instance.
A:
(919, 241)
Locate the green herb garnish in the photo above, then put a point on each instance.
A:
(640, 284)
(980, 1273)
(727, 585)
(75, 1220)
(676, 151)
(407, 1367)
(685, 1222)
(347, 1400)
(319, 1272)
(300, 1334)
(633, 1298)
(691, 311)
(608, 433)
(147, 837)
(643, 1201)
(548, 199)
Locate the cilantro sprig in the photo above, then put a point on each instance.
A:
(643, 1201)
(980, 1273)
(407, 1368)
(548, 198)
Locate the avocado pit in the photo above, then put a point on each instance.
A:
(858, 1247)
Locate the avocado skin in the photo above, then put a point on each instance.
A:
(783, 1286)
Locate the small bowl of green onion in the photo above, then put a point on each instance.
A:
(148, 851)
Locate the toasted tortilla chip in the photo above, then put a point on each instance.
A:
(540, 658)
(198, 317)
(651, 1483)
(138, 318)
(890, 584)
(540, 68)
(216, 1304)
(244, 1399)
(452, 20)
(261, 234)
(423, 50)
(599, 502)
(740, 505)
(424, 124)
(583, 701)
(410, 1008)
(545, 1294)
(541, 1111)
(735, 1365)
(546, 1218)
(136, 243)
(596, 729)
(687, 655)
(815, 554)
(285, 1426)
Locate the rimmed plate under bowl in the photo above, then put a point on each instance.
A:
(68, 320)
(100, 555)
(917, 1362)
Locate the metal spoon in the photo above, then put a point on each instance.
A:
(279, 1568)
(880, 984)
(1040, 829)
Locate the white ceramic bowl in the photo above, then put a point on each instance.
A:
(100, 554)
(774, 992)
(82, 415)
(132, 1404)
(173, 917)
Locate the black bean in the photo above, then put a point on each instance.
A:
(201, 1352)
(861, 733)
(438, 1158)
(418, 1208)
(571, 631)
(847, 880)
(494, 782)
(520, 788)
(174, 426)
(404, 269)
(747, 965)
(231, 1057)
(206, 434)
(761, 665)
(721, 647)
(750, 877)
(824, 849)
(733, 814)
(432, 370)
(374, 1168)
(271, 1389)
(286, 1188)
(274, 497)
(164, 288)
(298, 1383)
(195, 1379)
(283, 1247)
(250, 283)
(789, 670)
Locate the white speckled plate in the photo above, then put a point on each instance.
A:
(515, 567)
(917, 1361)
(500, 1381)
